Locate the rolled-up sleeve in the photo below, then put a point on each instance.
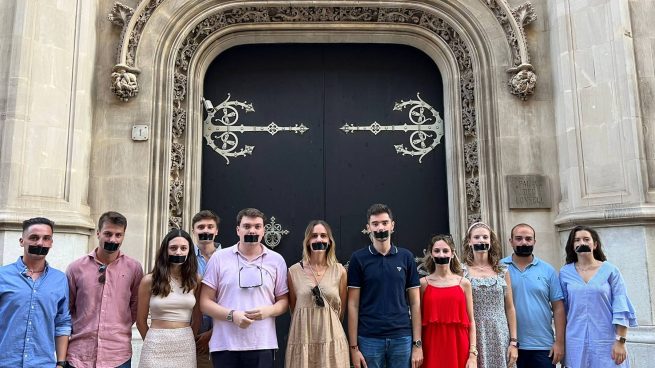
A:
(63, 324)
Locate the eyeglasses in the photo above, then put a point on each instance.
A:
(318, 299)
(102, 269)
(250, 276)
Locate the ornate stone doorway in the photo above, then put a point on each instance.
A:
(469, 41)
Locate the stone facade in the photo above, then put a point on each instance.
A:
(558, 88)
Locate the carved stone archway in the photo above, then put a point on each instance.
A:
(461, 43)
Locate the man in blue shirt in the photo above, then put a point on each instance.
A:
(35, 323)
(381, 279)
(538, 298)
(205, 229)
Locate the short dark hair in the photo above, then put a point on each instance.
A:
(534, 233)
(376, 209)
(572, 256)
(113, 218)
(250, 212)
(205, 215)
(38, 221)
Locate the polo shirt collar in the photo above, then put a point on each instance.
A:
(509, 260)
(393, 250)
(235, 250)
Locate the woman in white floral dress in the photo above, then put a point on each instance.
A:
(495, 317)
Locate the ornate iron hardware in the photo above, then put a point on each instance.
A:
(273, 233)
(426, 127)
(220, 129)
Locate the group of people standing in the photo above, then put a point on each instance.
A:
(215, 306)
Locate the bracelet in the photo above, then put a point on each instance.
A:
(354, 347)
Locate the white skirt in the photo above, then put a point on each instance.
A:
(168, 348)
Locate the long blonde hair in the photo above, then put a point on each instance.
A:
(495, 252)
(331, 257)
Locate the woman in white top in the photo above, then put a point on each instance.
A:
(169, 295)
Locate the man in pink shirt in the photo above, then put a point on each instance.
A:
(245, 288)
(103, 286)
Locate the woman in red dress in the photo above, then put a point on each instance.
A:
(447, 306)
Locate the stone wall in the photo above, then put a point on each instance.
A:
(47, 95)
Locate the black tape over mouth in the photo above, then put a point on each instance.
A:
(524, 250)
(251, 238)
(176, 259)
(441, 260)
(583, 248)
(205, 236)
(381, 235)
(481, 247)
(38, 250)
(111, 246)
(320, 246)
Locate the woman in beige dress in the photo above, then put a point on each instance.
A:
(317, 298)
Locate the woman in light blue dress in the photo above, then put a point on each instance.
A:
(598, 311)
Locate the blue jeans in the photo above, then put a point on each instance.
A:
(386, 353)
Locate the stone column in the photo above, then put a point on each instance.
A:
(46, 81)
(603, 176)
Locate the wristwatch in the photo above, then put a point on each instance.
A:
(62, 363)
(474, 350)
(621, 339)
(514, 342)
(230, 316)
(417, 343)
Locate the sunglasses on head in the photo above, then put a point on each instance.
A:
(318, 299)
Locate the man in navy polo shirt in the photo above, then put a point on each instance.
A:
(538, 298)
(381, 279)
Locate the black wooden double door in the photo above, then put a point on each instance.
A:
(324, 173)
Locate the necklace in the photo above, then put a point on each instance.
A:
(317, 272)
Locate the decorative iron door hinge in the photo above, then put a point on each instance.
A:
(220, 128)
(426, 127)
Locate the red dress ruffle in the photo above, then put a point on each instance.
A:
(445, 327)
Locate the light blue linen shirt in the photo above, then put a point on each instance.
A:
(533, 290)
(32, 314)
(592, 310)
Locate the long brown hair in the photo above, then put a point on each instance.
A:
(161, 272)
(495, 252)
(428, 262)
(331, 257)
(572, 256)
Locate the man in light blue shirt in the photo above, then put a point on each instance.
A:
(538, 298)
(205, 229)
(35, 322)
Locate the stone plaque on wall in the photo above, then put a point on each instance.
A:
(528, 191)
